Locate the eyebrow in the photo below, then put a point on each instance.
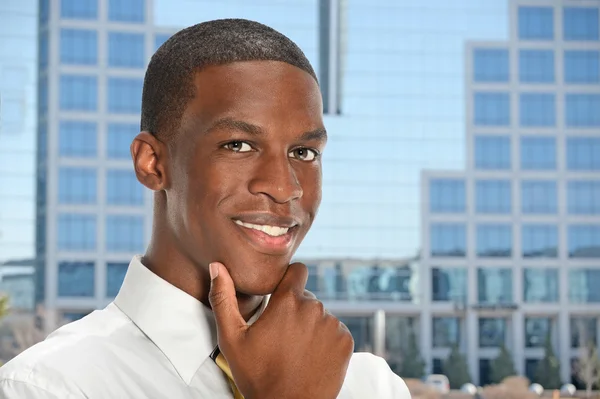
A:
(230, 123)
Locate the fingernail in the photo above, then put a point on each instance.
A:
(213, 269)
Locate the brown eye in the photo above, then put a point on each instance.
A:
(304, 154)
(238, 146)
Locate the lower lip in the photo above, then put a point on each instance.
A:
(267, 243)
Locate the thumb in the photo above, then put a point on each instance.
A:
(223, 302)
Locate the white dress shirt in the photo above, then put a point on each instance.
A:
(153, 341)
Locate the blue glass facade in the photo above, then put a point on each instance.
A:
(538, 197)
(124, 95)
(126, 11)
(492, 152)
(125, 233)
(115, 274)
(536, 66)
(118, 139)
(494, 240)
(540, 285)
(76, 279)
(494, 285)
(583, 286)
(491, 65)
(78, 139)
(582, 110)
(78, 46)
(123, 188)
(126, 50)
(584, 241)
(539, 241)
(492, 109)
(76, 232)
(583, 197)
(78, 93)
(538, 153)
(583, 153)
(582, 66)
(449, 285)
(537, 110)
(448, 239)
(580, 24)
(493, 196)
(536, 23)
(74, 9)
(77, 185)
(447, 196)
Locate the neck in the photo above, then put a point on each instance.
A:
(168, 262)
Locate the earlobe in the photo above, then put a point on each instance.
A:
(149, 160)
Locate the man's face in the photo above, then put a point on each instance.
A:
(245, 181)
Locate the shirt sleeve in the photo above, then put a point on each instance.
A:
(14, 389)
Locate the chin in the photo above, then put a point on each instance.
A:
(258, 277)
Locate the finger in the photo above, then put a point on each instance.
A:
(294, 280)
(224, 304)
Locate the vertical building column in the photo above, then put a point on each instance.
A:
(472, 343)
(426, 339)
(379, 333)
(518, 348)
(564, 345)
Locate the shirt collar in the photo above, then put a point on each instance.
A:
(177, 323)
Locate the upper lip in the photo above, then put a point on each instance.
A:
(268, 219)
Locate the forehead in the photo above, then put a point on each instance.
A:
(261, 92)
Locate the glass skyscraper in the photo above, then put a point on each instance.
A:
(512, 244)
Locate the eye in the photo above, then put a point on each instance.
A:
(304, 154)
(238, 146)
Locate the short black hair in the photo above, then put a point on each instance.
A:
(168, 84)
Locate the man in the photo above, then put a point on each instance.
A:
(231, 143)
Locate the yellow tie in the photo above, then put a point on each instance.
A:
(219, 359)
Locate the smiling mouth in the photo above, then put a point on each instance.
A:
(273, 231)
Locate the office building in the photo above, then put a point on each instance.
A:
(511, 245)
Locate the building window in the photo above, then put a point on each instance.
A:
(123, 188)
(126, 11)
(538, 197)
(492, 332)
(582, 110)
(330, 56)
(536, 23)
(582, 66)
(42, 95)
(70, 317)
(492, 109)
(490, 65)
(159, 40)
(580, 23)
(126, 50)
(584, 241)
(583, 153)
(115, 274)
(538, 153)
(537, 331)
(448, 239)
(531, 369)
(78, 93)
(536, 66)
(446, 332)
(78, 46)
(493, 196)
(79, 9)
(494, 286)
(584, 330)
(78, 139)
(494, 240)
(583, 286)
(124, 233)
(447, 195)
(361, 328)
(77, 185)
(485, 371)
(119, 138)
(76, 279)
(537, 110)
(540, 241)
(449, 285)
(583, 197)
(76, 232)
(43, 49)
(540, 285)
(124, 95)
(44, 12)
(492, 152)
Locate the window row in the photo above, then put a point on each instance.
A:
(125, 50)
(491, 65)
(78, 185)
(537, 23)
(79, 139)
(78, 232)
(536, 109)
(493, 152)
(495, 240)
(495, 196)
(77, 279)
(80, 93)
(494, 332)
(118, 10)
(495, 285)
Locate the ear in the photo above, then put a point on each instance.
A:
(150, 161)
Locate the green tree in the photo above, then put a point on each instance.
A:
(547, 373)
(456, 369)
(502, 366)
(412, 365)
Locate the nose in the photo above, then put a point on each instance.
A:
(276, 178)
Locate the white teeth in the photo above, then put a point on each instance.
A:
(274, 231)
